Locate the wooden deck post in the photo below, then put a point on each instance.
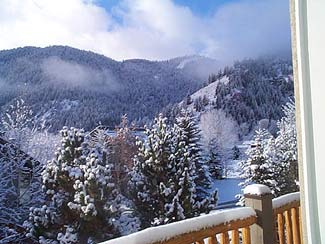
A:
(261, 201)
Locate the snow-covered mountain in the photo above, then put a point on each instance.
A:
(238, 100)
(79, 88)
(249, 92)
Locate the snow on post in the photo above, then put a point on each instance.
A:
(257, 189)
(259, 197)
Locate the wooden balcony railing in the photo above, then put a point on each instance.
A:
(287, 219)
(262, 221)
(226, 227)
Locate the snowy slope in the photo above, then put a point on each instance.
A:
(210, 90)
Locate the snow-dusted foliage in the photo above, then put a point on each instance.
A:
(214, 162)
(258, 168)
(17, 116)
(150, 180)
(254, 85)
(286, 152)
(122, 148)
(17, 121)
(168, 178)
(27, 131)
(273, 161)
(219, 135)
(20, 189)
(41, 144)
(188, 134)
(20, 185)
(81, 202)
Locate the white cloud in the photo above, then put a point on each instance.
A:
(61, 72)
(152, 29)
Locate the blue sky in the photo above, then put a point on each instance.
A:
(201, 8)
(226, 30)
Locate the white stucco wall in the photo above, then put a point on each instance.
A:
(310, 28)
(316, 45)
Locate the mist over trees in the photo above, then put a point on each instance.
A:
(82, 89)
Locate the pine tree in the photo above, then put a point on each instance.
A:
(215, 165)
(192, 174)
(236, 153)
(166, 176)
(286, 151)
(81, 201)
(258, 167)
(191, 137)
(150, 178)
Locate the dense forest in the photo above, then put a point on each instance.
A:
(78, 88)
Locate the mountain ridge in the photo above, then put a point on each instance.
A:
(103, 88)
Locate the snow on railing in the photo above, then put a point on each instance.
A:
(286, 199)
(208, 227)
(287, 218)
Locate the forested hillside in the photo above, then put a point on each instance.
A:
(79, 88)
(236, 101)
(247, 92)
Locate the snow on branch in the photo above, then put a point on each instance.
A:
(168, 231)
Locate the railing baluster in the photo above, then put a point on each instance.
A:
(288, 227)
(224, 238)
(212, 240)
(246, 235)
(295, 226)
(280, 228)
(300, 226)
(275, 230)
(199, 242)
(235, 237)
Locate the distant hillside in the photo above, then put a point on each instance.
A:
(247, 92)
(236, 101)
(79, 88)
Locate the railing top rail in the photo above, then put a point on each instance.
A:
(286, 199)
(286, 202)
(217, 222)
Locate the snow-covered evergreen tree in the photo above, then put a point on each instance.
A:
(258, 168)
(286, 152)
(81, 202)
(150, 180)
(187, 129)
(216, 168)
(235, 153)
(273, 161)
(165, 173)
